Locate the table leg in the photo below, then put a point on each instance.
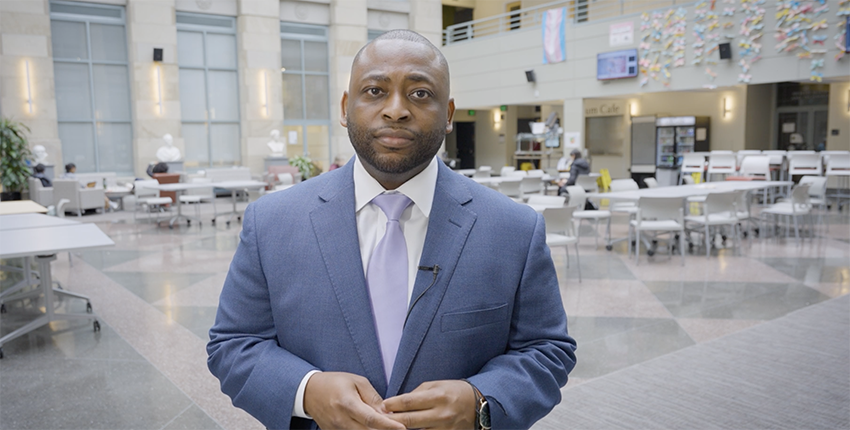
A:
(50, 315)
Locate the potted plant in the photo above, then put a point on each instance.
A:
(305, 165)
(14, 153)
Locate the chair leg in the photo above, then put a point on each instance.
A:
(578, 263)
(682, 246)
(796, 230)
(707, 239)
(637, 247)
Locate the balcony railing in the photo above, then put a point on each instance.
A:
(578, 11)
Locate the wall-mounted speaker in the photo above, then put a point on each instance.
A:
(529, 76)
(157, 54)
(725, 50)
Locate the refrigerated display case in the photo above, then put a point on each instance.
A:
(676, 136)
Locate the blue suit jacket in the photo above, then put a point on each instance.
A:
(295, 299)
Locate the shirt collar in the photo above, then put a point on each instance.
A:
(419, 189)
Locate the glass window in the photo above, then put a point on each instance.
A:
(92, 81)
(69, 39)
(306, 83)
(108, 42)
(209, 90)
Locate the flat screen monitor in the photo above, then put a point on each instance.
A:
(617, 64)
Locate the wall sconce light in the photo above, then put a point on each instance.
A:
(29, 85)
(159, 89)
(848, 100)
(265, 96)
(497, 119)
(632, 109)
(726, 109)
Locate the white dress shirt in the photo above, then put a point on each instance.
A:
(372, 224)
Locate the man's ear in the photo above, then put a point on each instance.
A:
(343, 119)
(450, 116)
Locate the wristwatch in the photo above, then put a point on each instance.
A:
(482, 410)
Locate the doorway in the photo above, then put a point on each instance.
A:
(465, 142)
(802, 110)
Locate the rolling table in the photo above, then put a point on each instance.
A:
(180, 188)
(44, 243)
(235, 186)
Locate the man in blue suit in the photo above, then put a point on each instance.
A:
(304, 337)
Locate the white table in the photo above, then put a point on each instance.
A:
(21, 207)
(235, 186)
(684, 191)
(178, 189)
(24, 221)
(44, 243)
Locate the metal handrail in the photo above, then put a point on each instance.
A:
(578, 12)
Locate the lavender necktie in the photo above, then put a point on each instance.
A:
(386, 277)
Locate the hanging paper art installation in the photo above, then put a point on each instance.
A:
(706, 26)
(750, 33)
(841, 39)
(800, 31)
(662, 44)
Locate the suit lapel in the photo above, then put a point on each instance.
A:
(335, 226)
(448, 227)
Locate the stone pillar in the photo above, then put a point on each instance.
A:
(347, 36)
(155, 86)
(426, 18)
(26, 73)
(260, 86)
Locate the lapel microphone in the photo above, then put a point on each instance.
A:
(435, 269)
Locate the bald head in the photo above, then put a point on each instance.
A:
(409, 36)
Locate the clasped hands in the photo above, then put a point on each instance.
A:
(338, 400)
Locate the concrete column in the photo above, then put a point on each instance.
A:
(347, 36)
(260, 85)
(155, 86)
(27, 92)
(426, 18)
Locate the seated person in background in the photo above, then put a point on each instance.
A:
(160, 167)
(70, 171)
(564, 163)
(580, 166)
(39, 173)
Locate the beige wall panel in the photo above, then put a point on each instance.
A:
(839, 117)
(215, 7)
(305, 12)
(759, 117)
(36, 7)
(383, 20)
(27, 45)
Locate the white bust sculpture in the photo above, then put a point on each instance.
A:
(168, 152)
(275, 144)
(40, 154)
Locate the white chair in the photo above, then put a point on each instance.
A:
(39, 193)
(578, 198)
(518, 173)
(536, 173)
(817, 193)
(740, 155)
(797, 209)
(720, 163)
(560, 231)
(757, 166)
(531, 185)
(693, 162)
(744, 212)
(838, 166)
(79, 199)
(506, 170)
(149, 199)
(688, 180)
(650, 182)
(588, 183)
(804, 163)
(660, 215)
(511, 188)
(719, 209)
(539, 200)
(623, 207)
(196, 196)
(483, 172)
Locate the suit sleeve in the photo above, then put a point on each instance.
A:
(259, 376)
(523, 384)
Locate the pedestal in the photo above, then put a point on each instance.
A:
(175, 166)
(274, 161)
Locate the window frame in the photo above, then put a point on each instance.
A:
(90, 62)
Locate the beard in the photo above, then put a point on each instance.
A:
(425, 147)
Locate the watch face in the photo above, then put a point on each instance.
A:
(484, 416)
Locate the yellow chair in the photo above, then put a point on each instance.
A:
(604, 182)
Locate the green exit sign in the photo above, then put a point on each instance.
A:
(503, 108)
(471, 112)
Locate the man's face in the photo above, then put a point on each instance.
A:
(397, 108)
